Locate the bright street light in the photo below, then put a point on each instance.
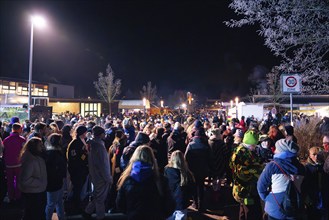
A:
(236, 101)
(39, 22)
(236, 107)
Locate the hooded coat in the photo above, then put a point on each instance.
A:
(33, 176)
(272, 177)
(128, 151)
(98, 162)
(220, 154)
(139, 196)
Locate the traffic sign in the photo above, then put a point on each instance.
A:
(291, 83)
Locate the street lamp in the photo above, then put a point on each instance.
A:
(144, 104)
(236, 107)
(39, 22)
(161, 103)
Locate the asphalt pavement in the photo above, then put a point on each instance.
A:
(220, 205)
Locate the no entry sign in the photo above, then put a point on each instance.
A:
(291, 83)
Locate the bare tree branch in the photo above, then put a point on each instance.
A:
(295, 30)
(107, 89)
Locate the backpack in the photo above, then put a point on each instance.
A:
(292, 202)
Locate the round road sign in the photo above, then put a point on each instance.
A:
(291, 81)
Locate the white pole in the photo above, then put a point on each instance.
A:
(30, 73)
(291, 114)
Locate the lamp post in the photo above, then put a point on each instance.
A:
(236, 107)
(161, 103)
(38, 21)
(144, 104)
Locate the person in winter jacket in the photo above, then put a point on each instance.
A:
(141, 139)
(77, 161)
(56, 173)
(176, 140)
(198, 157)
(219, 154)
(115, 153)
(33, 180)
(273, 182)
(109, 134)
(181, 183)
(66, 138)
(160, 149)
(129, 129)
(246, 166)
(13, 145)
(142, 192)
(316, 193)
(100, 173)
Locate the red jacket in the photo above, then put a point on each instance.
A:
(12, 148)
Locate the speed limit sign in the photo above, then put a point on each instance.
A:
(291, 83)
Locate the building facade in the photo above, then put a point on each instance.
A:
(60, 97)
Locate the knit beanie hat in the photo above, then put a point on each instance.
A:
(198, 124)
(289, 130)
(284, 145)
(98, 130)
(250, 137)
(81, 130)
(14, 120)
(142, 138)
(238, 133)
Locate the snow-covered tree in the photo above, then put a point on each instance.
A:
(107, 88)
(149, 92)
(295, 30)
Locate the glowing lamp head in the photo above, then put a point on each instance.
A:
(236, 100)
(38, 21)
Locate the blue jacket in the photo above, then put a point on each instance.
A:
(140, 198)
(273, 178)
(130, 132)
(181, 194)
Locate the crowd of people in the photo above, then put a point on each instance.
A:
(155, 167)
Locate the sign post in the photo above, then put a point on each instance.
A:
(291, 84)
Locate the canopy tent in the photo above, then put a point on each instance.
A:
(133, 104)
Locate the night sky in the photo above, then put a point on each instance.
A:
(177, 45)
